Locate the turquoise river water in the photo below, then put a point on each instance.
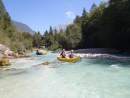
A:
(90, 78)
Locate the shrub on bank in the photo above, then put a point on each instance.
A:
(4, 62)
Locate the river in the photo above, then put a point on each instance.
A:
(90, 78)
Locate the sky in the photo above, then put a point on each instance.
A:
(39, 15)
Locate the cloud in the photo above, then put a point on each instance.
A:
(70, 14)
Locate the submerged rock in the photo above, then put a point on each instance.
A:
(50, 63)
(45, 63)
(31, 58)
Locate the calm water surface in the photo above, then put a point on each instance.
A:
(90, 78)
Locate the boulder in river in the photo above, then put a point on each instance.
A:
(41, 52)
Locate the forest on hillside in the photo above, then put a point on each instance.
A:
(104, 26)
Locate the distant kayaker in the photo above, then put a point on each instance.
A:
(63, 54)
(71, 55)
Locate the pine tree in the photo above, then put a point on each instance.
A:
(84, 14)
(51, 31)
(2, 12)
(46, 33)
(93, 7)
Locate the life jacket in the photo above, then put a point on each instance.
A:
(71, 55)
(63, 54)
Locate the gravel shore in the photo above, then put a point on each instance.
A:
(101, 53)
(96, 50)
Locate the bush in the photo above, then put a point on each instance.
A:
(4, 62)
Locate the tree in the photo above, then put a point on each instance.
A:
(4, 39)
(84, 14)
(56, 35)
(74, 36)
(28, 39)
(61, 31)
(62, 40)
(91, 26)
(49, 40)
(37, 39)
(9, 36)
(46, 33)
(55, 31)
(93, 7)
(78, 20)
(2, 11)
(51, 31)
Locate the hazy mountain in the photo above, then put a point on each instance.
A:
(23, 27)
(62, 26)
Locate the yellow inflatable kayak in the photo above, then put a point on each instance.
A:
(68, 59)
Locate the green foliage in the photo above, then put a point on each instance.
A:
(93, 7)
(115, 25)
(84, 14)
(49, 39)
(46, 33)
(61, 40)
(4, 62)
(91, 26)
(37, 39)
(51, 31)
(4, 39)
(72, 37)
(78, 20)
(55, 46)
(106, 26)
(9, 36)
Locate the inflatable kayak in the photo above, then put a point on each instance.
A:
(68, 59)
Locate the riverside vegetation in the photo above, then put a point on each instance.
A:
(105, 26)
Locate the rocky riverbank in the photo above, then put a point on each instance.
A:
(96, 50)
(6, 54)
(5, 51)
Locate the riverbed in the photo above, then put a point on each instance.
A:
(89, 78)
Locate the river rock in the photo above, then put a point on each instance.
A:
(45, 63)
(5, 51)
(41, 52)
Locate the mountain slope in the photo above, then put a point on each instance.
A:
(62, 26)
(23, 27)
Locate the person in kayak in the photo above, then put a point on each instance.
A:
(63, 54)
(71, 55)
